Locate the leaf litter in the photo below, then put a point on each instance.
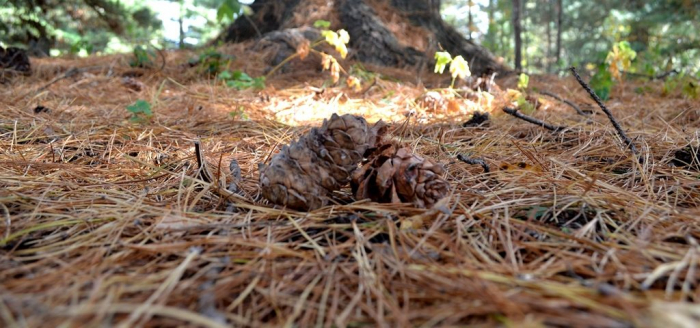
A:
(107, 221)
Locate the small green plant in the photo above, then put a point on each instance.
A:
(140, 111)
(211, 62)
(80, 45)
(322, 24)
(143, 57)
(338, 39)
(602, 82)
(689, 87)
(458, 66)
(618, 59)
(523, 81)
(240, 80)
(228, 9)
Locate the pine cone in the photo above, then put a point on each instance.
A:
(399, 176)
(305, 173)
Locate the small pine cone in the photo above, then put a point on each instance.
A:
(399, 176)
(305, 173)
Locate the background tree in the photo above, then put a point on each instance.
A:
(518, 61)
(554, 34)
(372, 40)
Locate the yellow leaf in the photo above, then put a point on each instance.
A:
(459, 68)
(342, 49)
(326, 61)
(338, 40)
(331, 37)
(343, 36)
(354, 83)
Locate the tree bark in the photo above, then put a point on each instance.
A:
(371, 41)
(471, 19)
(548, 31)
(516, 33)
(181, 24)
(560, 14)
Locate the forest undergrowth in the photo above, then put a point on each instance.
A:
(107, 221)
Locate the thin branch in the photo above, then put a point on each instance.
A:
(533, 120)
(570, 103)
(660, 76)
(474, 161)
(607, 112)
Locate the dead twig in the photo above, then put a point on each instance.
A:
(568, 102)
(530, 119)
(660, 76)
(474, 161)
(607, 112)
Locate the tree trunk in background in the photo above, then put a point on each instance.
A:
(548, 31)
(560, 9)
(182, 27)
(435, 6)
(490, 40)
(471, 19)
(523, 31)
(371, 40)
(516, 33)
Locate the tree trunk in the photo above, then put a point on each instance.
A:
(490, 40)
(181, 23)
(560, 11)
(548, 31)
(371, 40)
(471, 19)
(516, 33)
(524, 25)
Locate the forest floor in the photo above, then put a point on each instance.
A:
(104, 220)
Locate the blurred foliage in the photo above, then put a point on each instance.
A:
(663, 33)
(211, 62)
(143, 57)
(241, 81)
(75, 26)
(84, 27)
(602, 82)
(140, 111)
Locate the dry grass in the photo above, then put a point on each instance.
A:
(105, 223)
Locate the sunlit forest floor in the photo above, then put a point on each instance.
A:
(105, 221)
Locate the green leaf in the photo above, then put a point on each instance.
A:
(442, 58)
(140, 107)
(240, 80)
(524, 105)
(523, 81)
(228, 8)
(225, 75)
(241, 76)
(322, 24)
(259, 82)
(691, 89)
(602, 82)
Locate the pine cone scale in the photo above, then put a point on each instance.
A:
(304, 175)
(399, 176)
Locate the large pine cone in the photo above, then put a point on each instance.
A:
(305, 173)
(398, 176)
